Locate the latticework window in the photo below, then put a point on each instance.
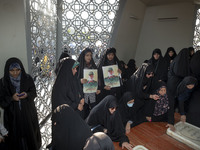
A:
(196, 41)
(43, 23)
(88, 23)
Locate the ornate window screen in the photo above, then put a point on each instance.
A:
(88, 23)
(43, 23)
(196, 41)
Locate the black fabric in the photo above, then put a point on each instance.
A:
(99, 141)
(138, 80)
(58, 65)
(169, 115)
(168, 58)
(100, 115)
(184, 94)
(125, 111)
(82, 65)
(160, 66)
(179, 69)
(22, 124)
(105, 62)
(69, 130)
(193, 113)
(181, 63)
(195, 65)
(66, 89)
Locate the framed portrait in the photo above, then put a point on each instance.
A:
(92, 80)
(111, 76)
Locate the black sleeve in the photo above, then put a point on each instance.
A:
(5, 100)
(170, 112)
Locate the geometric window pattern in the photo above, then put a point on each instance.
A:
(196, 40)
(88, 23)
(43, 22)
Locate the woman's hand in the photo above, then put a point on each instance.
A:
(83, 81)
(98, 92)
(80, 107)
(128, 128)
(148, 119)
(171, 127)
(107, 87)
(24, 95)
(119, 71)
(127, 146)
(183, 118)
(105, 130)
(15, 97)
(82, 101)
(154, 97)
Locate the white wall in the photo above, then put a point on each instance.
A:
(129, 29)
(163, 34)
(12, 32)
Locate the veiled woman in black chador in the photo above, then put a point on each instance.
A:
(179, 69)
(17, 93)
(140, 84)
(86, 62)
(169, 56)
(160, 65)
(105, 117)
(108, 58)
(184, 92)
(126, 109)
(66, 89)
(70, 132)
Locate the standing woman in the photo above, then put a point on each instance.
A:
(86, 62)
(17, 93)
(109, 58)
(66, 89)
(169, 56)
(160, 65)
(105, 117)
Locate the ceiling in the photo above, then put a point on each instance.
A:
(163, 2)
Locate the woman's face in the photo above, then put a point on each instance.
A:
(190, 86)
(74, 70)
(88, 57)
(171, 53)
(131, 101)
(149, 75)
(156, 56)
(110, 56)
(15, 72)
(112, 110)
(162, 91)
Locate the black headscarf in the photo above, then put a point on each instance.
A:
(138, 80)
(182, 87)
(99, 141)
(69, 131)
(131, 68)
(195, 65)
(66, 89)
(104, 60)
(160, 66)
(58, 65)
(82, 65)
(169, 58)
(125, 111)
(180, 65)
(100, 115)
